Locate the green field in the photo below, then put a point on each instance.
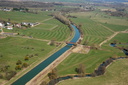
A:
(120, 38)
(43, 31)
(93, 59)
(19, 17)
(96, 27)
(45, 26)
(94, 34)
(47, 29)
(116, 74)
(116, 27)
(14, 49)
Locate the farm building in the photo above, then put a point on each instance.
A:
(9, 27)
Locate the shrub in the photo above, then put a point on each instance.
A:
(18, 67)
(1, 76)
(18, 62)
(10, 74)
(26, 58)
(25, 65)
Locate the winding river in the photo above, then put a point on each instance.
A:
(32, 73)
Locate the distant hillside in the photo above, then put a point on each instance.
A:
(74, 1)
(111, 0)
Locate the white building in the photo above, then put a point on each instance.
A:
(9, 27)
(1, 25)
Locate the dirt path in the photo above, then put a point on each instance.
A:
(115, 33)
(108, 39)
(47, 19)
(126, 31)
(53, 27)
(32, 38)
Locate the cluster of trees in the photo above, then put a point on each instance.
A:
(6, 73)
(32, 55)
(102, 67)
(52, 42)
(81, 70)
(10, 74)
(20, 65)
(120, 12)
(21, 9)
(67, 10)
(61, 18)
(53, 77)
(70, 16)
(53, 74)
(4, 68)
(80, 29)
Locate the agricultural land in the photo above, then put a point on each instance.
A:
(30, 35)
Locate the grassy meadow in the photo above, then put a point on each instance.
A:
(13, 49)
(95, 30)
(116, 74)
(47, 29)
(19, 17)
(91, 60)
(96, 27)
(94, 33)
(120, 38)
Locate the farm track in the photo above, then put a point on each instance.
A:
(109, 38)
(47, 19)
(44, 40)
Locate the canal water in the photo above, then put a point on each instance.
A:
(28, 76)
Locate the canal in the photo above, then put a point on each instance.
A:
(32, 73)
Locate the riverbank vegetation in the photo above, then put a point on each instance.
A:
(115, 74)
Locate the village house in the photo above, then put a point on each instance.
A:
(9, 27)
(6, 9)
(18, 25)
(28, 24)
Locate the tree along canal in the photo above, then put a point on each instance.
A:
(32, 73)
